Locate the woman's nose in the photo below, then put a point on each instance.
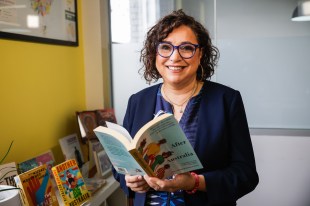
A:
(175, 56)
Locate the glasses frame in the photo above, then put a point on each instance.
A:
(177, 48)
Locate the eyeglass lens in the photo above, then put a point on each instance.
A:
(185, 50)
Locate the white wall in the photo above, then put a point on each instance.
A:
(283, 165)
(265, 56)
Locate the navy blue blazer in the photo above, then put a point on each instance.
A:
(223, 144)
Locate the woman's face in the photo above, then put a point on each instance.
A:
(176, 70)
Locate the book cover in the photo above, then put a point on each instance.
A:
(70, 183)
(44, 158)
(103, 163)
(71, 149)
(90, 119)
(94, 147)
(160, 148)
(36, 187)
(7, 173)
(105, 115)
(87, 121)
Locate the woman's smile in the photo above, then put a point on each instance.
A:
(175, 68)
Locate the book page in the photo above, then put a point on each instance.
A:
(119, 129)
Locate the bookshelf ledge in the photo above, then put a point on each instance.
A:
(103, 193)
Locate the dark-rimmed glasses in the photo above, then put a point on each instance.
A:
(186, 50)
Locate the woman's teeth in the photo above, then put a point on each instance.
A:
(175, 68)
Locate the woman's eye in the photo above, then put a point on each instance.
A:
(165, 47)
(187, 48)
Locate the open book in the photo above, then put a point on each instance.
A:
(160, 148)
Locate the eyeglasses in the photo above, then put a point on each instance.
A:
(186, 50)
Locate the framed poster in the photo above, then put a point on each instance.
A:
(43, 21)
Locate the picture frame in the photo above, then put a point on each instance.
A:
(41, 21)
(104, 163)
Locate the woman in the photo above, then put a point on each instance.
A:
(178, 49)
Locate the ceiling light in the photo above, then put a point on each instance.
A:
(302, 11)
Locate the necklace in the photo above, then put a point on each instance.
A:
(186, 100)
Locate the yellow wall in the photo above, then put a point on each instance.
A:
(41, 87)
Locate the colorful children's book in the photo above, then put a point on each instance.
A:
(44, 158)
(7, 173)
(160, 148)
(36, 187)
(70, 183)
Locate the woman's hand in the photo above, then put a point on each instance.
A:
(184, 181)
(137, 183)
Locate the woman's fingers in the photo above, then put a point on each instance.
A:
(178, 182)
(133, 178)
(136, 183)
(154, 182)
(140, 184)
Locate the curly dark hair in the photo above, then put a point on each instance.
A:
(210, 54)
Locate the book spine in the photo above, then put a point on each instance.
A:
(21, 191)
(142, 162)
(59, 185)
